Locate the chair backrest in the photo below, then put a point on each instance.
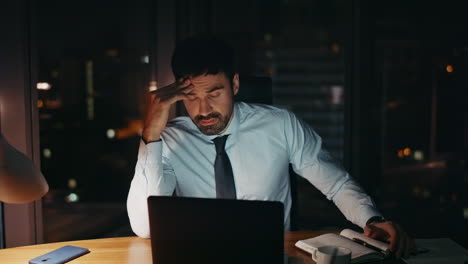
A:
(255, 89)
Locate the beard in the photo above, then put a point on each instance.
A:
(215, 128)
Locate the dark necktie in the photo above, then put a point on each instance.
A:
(225, 187)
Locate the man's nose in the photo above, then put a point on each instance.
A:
(205, 107)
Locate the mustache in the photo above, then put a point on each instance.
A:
(209, 116)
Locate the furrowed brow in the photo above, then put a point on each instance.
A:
(215, 88)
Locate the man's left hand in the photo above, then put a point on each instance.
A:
(401, 244)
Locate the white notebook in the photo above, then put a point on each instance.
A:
(363, 249)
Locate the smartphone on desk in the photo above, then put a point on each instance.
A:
(60, 256)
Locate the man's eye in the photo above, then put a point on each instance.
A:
(214, 95)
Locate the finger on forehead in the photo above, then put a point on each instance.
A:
(184, 89)
(184, 84)
(164, 88)
(167, 90)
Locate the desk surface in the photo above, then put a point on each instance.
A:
(130, 250)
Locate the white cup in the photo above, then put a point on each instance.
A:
(331, 255)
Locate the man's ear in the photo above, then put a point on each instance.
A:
(235, 83)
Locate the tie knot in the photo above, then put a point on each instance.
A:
(220, 143)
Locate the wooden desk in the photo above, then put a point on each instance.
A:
(129, 250)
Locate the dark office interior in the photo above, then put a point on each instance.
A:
(383, 82)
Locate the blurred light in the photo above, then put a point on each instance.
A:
(416, 191)
(454, 197)
(449, 68)
(112, 53)
(54, 74)
(43, 86)
(392, 105)
(407, 151)
(53, 104)
(58, 125)
(400, 153)
(110, 133)
(153, 86)
(336, 48)
(47, 153)
(465, 213)
(40, 103)
(72, 198)
(269, 54)
(133, 128)
(270, 71)
(89, 89)
(418, 155)
(72, 183)
(436, 164)
(337, 92)
(426, 193)
(145, 59)
(268, 37)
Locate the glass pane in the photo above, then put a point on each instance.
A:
(421, 54)
(93, 61)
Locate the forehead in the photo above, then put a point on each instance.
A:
(209, 81)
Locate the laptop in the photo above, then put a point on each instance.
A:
(208, 231)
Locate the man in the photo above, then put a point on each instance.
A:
(188, 154)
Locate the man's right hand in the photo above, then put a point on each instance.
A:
(160, 101)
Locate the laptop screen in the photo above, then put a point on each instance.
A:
(200, 230)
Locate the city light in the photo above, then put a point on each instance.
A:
(47, 153)
(40, 103)
(454, 197)
(407, 151)
(112, 53)
(426, 194)
(416, 191)
(43, 86)
(400, 153)
(110, 133)
(145, 59)
(449, 68)
(133, 128)
(336, 48)
(72, 183)
(418, 155)
(72, 198)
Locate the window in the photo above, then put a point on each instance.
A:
(94, 68)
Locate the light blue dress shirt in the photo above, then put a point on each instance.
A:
(263, 141)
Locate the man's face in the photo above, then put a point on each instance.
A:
(210, 103)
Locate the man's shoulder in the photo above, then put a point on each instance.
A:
(249, 110)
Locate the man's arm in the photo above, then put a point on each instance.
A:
(309, 160)
(153, 174)
(317, 166)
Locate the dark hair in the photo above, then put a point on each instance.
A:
(202, 54)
